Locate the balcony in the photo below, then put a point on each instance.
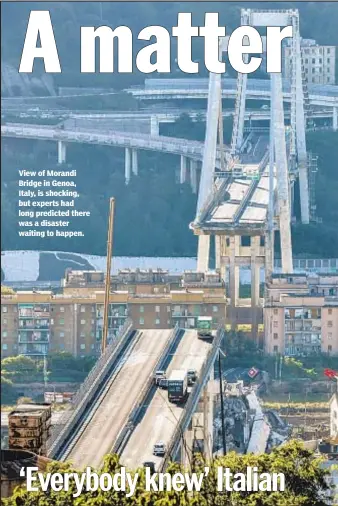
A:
(33, 337)
(33, 349)
(184, 314)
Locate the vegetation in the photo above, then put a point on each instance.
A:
(305, 483)
(61, 366)
(317, 22)
(153, 209)
(7, 290)
(243, 352)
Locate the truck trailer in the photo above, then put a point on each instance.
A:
(178, 386)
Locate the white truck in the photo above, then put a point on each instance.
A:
(178, 386)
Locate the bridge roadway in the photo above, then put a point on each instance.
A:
(259, 89)
(160, 419)
(166, 115)
(247, 200)
(154, 89)
(115, 405)
(172, 145)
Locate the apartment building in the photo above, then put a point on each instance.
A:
(37, 323)
(319, 62)
(301, 314)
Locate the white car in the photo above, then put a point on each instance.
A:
(159, 449)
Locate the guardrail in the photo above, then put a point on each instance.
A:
(128, 426)
(252, 188)
(87, 388)
(192, 402)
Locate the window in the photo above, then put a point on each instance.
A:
(4, 321)
(82, 346)
(156, 289)
(329, 336)
(82, 334)
(168, 309)
(275, 335)
(275, 311)
(314, 60)
(52, 321)
(83, 309)
(330, 310)
(4, 309)
(157, 309)
(62, 309)
(168, 322)
(329, 323)
(329, 348)
(141, 309)
(275, 324)
(4, 334)
(61, 321)
(5, 347)
(275, 349)
(83, 322)
(62, 334)
(93, 346)
(157, 321)
(141, 321)
(214, 309)
(93, 322)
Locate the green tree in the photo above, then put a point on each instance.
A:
(305, 484)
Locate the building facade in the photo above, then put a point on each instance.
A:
(37, 323)
(301, 314)
(319, 62)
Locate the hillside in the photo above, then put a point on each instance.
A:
(153, 212)
(318, 21)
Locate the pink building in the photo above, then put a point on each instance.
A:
(301, 314)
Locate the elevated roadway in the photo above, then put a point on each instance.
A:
(102, 427)
(257, 89)
(161, 417)
(190, 149)
(163, 115)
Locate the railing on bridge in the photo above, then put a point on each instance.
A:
(252, 188)
(128, 426)
(192, 402)
(87, 389)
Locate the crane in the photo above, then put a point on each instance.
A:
(108, 274)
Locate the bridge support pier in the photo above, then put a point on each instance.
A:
(186, 451)
(255, 285)
(193, 175)
(183, 171)
(335, 119)
(61, 152)
(134, 162)
(237, 252)
(127, 165)
(203, 253)
(154, 126)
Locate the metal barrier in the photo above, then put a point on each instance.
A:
(87, 388)
(192, 402)
(252, 188)
(129, 425)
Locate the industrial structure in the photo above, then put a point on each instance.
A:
(234, 206)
